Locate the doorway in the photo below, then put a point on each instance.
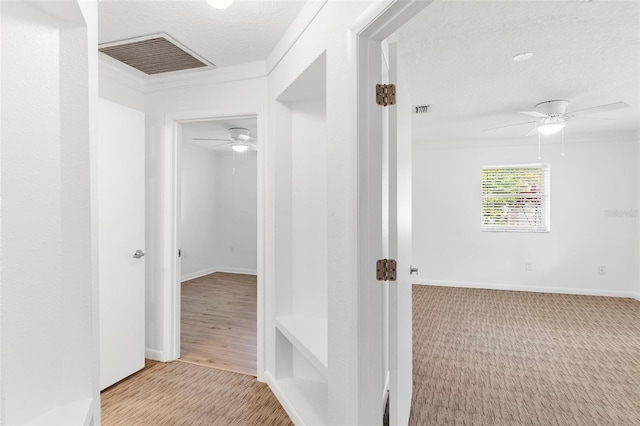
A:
(218, 242)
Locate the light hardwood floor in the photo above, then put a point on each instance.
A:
(218, 323)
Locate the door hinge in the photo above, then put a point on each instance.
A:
(386, 94)
(386, 270)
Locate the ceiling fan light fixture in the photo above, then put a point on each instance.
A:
(524, 56)
(220, 4)
(550, 129)
(239, 147)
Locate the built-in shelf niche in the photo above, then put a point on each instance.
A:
(302, 241)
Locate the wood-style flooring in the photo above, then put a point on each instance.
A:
(178, 393)
(218, 323)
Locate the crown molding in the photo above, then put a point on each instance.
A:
(123, 74)
(143, 83)
(194, 78)
(309, 11)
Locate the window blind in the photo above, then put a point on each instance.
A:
(516, 198)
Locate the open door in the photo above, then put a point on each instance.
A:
(384, 167)
(400, 296)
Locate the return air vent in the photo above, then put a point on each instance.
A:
(154, 54)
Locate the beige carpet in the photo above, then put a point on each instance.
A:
(179, 393)
(485, 357)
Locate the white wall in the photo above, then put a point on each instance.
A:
(327, 32)
(198, 211)
(309, 208)
(245, 97)
(48, 349)
(236, 219)
(219, 211)
(596, 175)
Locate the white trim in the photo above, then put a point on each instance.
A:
(530, 288)
(377, 22)
(225, 269)
(232, 270)
(385, 392)
(111, 68)
(282, 399)
(299, 25)
(198, 274)
(203, 77)
(154, 354)
(143, 83)
(636, 296)
(171, 329)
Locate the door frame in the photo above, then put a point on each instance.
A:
(377, 23)
(173, 168)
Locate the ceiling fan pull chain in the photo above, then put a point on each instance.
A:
(539, 151)
(562, 153)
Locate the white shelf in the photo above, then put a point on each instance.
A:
(309, 336)
(306, 401)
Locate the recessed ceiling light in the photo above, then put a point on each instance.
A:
(524, 56)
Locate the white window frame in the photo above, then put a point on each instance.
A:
(545, 195)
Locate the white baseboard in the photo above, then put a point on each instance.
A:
(202, 273)
(385, 392)
(535, 289)
(198, 274)
(153, 354)
(237, 270)
(637, 296)
(282, 398)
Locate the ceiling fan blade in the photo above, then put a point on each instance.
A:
(511, 125)
(600, 108)
(211, 139)
(534, 114)
(594, 118)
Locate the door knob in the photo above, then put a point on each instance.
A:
(138, 254)
(412, 270)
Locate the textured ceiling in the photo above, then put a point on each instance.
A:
(216, 129)
(458, 57)
(245, 32)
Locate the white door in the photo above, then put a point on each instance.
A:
(400, 296)
(121, 195)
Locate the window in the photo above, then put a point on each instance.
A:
(516, 198)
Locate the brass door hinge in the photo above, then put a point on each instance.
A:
(386, 94)
(386, 270)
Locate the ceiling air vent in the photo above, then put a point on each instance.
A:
(154, 54)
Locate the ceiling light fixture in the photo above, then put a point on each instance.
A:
(239, 147)
(550, 129)
(524, 56)
(220, 4)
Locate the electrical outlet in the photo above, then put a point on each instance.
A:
(602, 270)
(528, 266)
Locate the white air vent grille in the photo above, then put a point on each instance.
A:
(154, 54)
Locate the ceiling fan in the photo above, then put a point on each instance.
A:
(553, 116)
(240, 139)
